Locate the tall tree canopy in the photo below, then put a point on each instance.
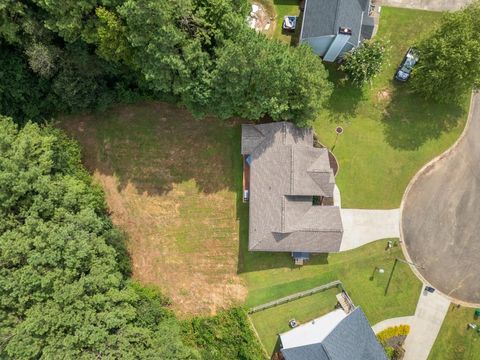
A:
(82, 55)
(64, 286)
(449, 58)
(62, 294)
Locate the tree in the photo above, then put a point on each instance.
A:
(256, 77)
(62, 294)
(22, 94)
(363, 63)
(449, 65)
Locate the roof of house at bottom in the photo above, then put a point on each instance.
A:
(286, 171)
(335, 336)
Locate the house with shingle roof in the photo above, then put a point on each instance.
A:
(335, 336)
(290, 188)
(334, 27)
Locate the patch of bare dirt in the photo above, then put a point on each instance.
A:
(384, 95)
(261, 19)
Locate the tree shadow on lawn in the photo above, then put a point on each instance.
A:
(156, 145)
(409, 121)
(345, 99)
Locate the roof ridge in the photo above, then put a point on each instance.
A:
(335, 23)
(292, 171)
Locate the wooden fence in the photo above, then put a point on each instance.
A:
(296, 296)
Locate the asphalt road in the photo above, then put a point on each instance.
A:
(441, 218)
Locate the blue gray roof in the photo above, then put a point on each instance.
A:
(325, 17)
(352, 339)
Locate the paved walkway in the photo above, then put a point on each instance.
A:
(428, 319)
(385, 324)
(361, 227)
(433, 5)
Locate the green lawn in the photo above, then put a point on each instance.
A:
(283, 8)
(455, 342)
(271, 322)
(389, 132)
(280, 8)
(271, 276)
(171, 182)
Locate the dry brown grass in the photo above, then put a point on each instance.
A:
(169, 183)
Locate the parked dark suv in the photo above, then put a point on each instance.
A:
(406, 67)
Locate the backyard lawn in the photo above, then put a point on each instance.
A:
(389, 132)
(271, 322)
(271, 276)
(455, 341)
(173, 184)
(279, 9)
(170, 181)
(283, 8)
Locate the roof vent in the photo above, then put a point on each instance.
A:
(345, 31)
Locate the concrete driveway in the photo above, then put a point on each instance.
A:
(433, 5)
(361, 226)
(441, 217)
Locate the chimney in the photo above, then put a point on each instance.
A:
(345, 31)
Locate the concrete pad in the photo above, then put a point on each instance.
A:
(385, 324)
(337, 198)
(361, 226)
(432, 5)
(429, 315)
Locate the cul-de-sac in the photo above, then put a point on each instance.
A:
(240, 179)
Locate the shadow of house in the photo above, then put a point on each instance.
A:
(408, 127)
(156, 145)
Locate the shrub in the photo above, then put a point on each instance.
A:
(365, 62)
(400, 330)
(227, 335)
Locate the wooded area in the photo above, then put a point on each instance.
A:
(65, 290)
(70, 56)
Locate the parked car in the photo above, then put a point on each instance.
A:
(407, 64)
(289, 23)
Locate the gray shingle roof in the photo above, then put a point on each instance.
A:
(285, 172)
(325, 17)
(352, 339)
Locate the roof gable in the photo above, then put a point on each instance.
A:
(281, 190)
(325, 17)
(352, 338)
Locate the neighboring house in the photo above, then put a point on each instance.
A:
(334, 27)
(335, 336)
(289, 185)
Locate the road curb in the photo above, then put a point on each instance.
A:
(421, 172)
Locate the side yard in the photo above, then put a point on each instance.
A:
(271, 322)
(455, 341)
(271, 276)
(388, 132)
